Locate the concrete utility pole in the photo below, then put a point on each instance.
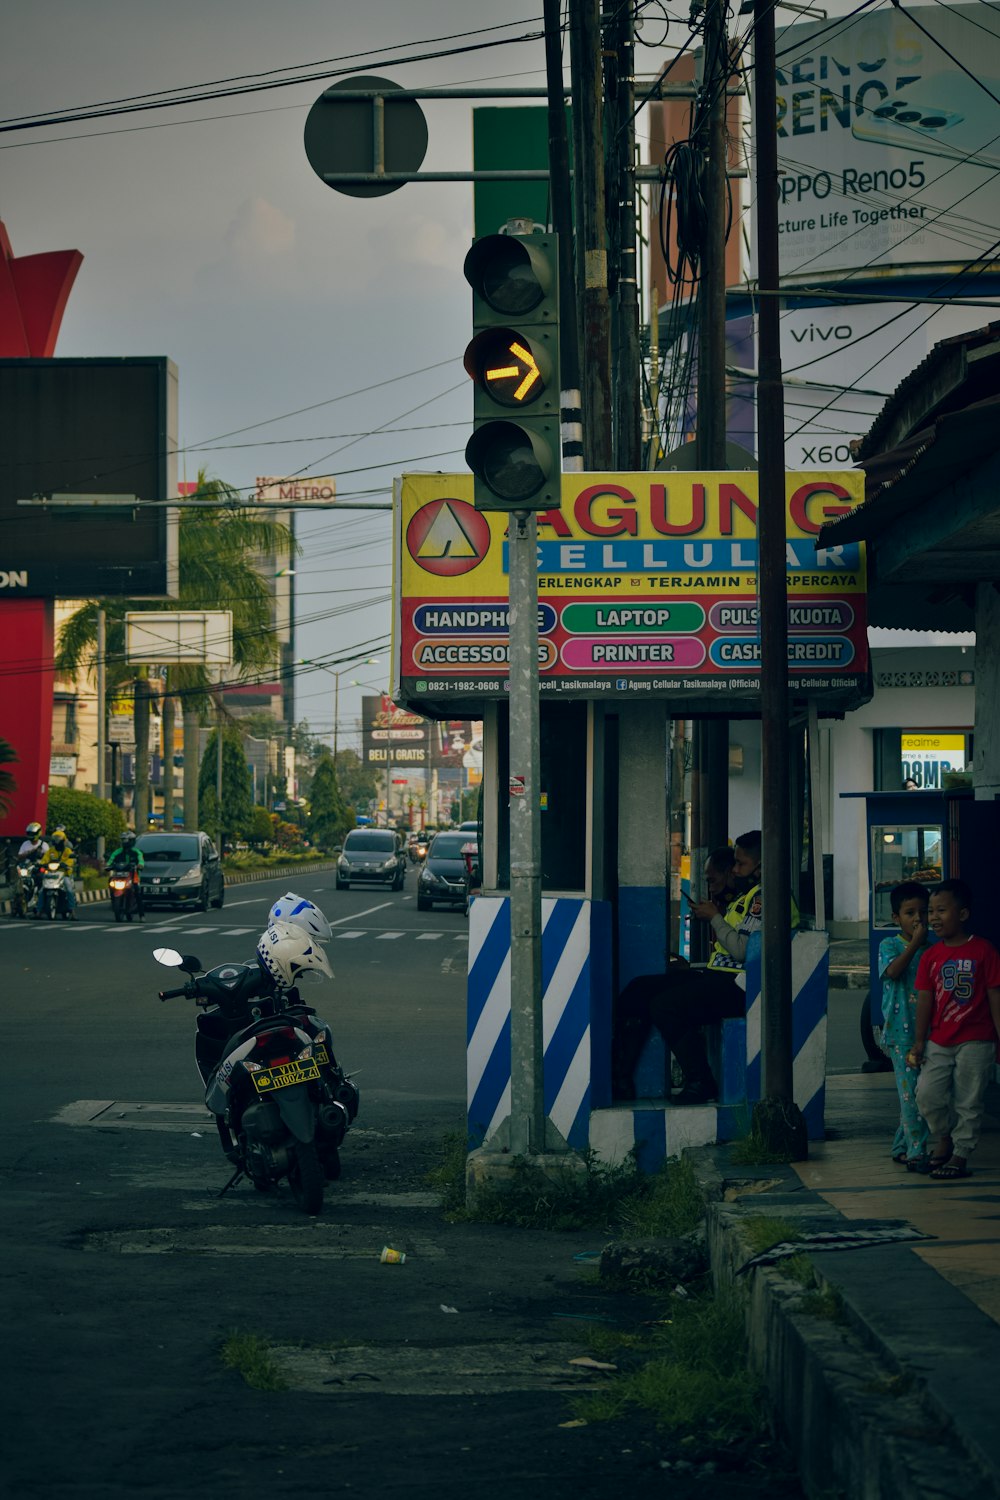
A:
(710, 741)
(776, 1117)
(619, 72)
(561, 199)
(527, 1094)
(591, 256)
(102, 717)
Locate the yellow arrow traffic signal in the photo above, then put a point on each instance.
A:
(524, 370)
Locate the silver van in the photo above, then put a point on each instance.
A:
(180, 869)
(372, 856)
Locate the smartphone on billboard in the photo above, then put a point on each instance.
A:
(945, 115)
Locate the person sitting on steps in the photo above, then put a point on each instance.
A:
(633, 1017)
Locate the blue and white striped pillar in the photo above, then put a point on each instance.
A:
(576, 1015)
(810, 993)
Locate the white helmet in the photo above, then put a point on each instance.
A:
(300, 912)
(289, 955)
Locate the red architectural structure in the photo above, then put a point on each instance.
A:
(34, 290)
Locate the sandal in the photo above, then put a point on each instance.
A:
(900, 1159)
(950, 1171)
(921, 1164)
(940, 1161)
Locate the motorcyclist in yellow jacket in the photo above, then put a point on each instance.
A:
(61, 848)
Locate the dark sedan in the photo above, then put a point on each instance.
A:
(445, 876)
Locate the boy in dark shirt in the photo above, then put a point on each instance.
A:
(958, 1023)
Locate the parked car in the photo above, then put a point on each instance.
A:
(372, 856)
(445, 875)
(180, 869)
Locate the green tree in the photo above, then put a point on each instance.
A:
(224, 557)
(359, 785)
(237, 788)
(262, 826)
(329, 818)
(85, 818)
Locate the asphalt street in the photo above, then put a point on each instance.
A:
(123, 1271)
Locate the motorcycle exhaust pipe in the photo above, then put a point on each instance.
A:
(333, 1121)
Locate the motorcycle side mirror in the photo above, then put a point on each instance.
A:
(168, 957)
(171, 959)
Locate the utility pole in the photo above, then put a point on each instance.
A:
(591, 255)
(710, 741)
(388, 761)
(561, 199)
(620, 71)
(218, 765)
(102, 717)
(776, 1118)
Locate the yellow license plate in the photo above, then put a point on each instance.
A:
(320, 1054)
(285, 1074)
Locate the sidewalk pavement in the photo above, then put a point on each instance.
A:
(888, 1386)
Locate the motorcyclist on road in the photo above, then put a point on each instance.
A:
(128, 856)
(34, 845)
(30, 854)
(61, 848)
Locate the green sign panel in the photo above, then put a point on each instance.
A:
(628, 618)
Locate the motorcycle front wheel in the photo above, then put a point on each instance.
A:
(305, 1176)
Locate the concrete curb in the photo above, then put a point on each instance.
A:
(237, 877)
(886, 1388)
(849, 979)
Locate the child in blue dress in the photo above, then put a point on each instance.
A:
(898, 957)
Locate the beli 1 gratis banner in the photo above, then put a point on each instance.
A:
(647, 583)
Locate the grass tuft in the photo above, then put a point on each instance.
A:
(763, 1231)
(824, 1303)
(251, 1356)
(752, 1151)
(695, 1381)
(617, 1198)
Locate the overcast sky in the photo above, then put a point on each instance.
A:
(213, 242)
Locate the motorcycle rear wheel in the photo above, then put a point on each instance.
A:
(305, 1176)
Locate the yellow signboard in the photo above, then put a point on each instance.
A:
(647, 583)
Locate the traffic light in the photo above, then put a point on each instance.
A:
(515, 451)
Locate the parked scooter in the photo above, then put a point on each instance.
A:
(54, 899)
(125, 895)
(282, 1105)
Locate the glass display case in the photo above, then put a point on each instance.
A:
(903, 851)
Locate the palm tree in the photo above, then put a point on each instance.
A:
(217, 550)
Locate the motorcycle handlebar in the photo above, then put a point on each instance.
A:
(173, 994)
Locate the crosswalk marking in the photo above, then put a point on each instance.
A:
(152, 929)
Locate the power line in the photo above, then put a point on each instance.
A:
(102, 113)
(286, 68)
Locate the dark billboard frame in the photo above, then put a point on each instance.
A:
(90, 427)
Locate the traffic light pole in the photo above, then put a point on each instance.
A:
(527, 1101)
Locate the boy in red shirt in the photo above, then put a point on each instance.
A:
(958, 1022)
